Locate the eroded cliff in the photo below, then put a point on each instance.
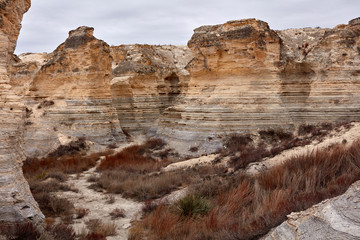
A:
(239, 76)
(16, 201)
(147, 80)
(245, 76)
(68, 95)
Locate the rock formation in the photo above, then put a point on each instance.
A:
(147, 80)
(336, 218)
(87, 89)
(245, 76)
(69, 95)
(235, 77)
(16, 201)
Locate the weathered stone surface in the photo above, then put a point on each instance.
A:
(68, 94)
(147, 80)
(16, 201)
(245, 77)
(336, 218)
(234, 85)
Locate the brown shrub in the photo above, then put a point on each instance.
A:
(61, 232)
(154, 144)
(26, 231)
(64, 165)
(140, 186)
(98, 227)
(132, 158)
(117, 213)
(248, 155)
(52, 205)
(248, 207)
(236, 142)
(81, 212)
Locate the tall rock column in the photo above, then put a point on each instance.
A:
(16, 201)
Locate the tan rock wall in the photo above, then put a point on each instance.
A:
(246, 77)
(16, 201)
(147, 80)
(69, 95)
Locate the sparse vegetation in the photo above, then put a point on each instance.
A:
(117, 213)
(99, 228)
(28, 231)
(191, 206)
(218, 205)
(81, 212)
(139, 186)
(246, 207)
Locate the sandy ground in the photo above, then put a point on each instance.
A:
(350, 135)
(98, 203)
(99, 206)
(203, 160)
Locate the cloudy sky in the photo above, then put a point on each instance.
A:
(48, 22)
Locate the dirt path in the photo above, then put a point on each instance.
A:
(98, 203)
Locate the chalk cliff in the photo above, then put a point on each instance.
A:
(16, 201)
(245, 76)
(67, 94)
(147, 80)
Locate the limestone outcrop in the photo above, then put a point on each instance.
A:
(16, 201)
(147, 80)
(68, 94)
(245, 77)
(336, 218)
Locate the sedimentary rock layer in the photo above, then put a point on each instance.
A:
(239, 76)
(336, 218)
(69, 94)
(16, 201)
(147, 80)
(245, 77)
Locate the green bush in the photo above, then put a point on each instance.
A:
(192, 205)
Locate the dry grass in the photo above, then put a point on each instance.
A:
(243, 150)
(117, 213)
(98, 227)
(248, 207)
(139, 186)
(81, 212)
(64, 165)
(28, 231)
(140, 158)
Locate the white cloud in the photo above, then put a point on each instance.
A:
(47, 23)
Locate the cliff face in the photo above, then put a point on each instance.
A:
(68, 94)
(87, 89)
(147, 80)
(234, 85)
(245, 76)
(236, 77)
(16, 201)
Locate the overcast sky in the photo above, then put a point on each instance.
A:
(48, 22)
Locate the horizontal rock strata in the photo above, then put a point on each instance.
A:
(240, 76)
(147, 80)
(245, 77)
(16, 201)
(68, 94)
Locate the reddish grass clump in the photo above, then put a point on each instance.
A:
(252, 205)
(136, 158)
